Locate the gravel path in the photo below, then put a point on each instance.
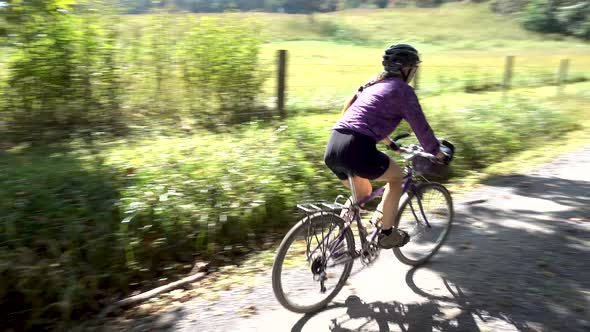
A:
(517, 259)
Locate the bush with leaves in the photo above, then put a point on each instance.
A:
(220, 68)
(575, 19)
(60, 251)
(64, 76)
(539, 15)
(71, 63)
(558, 16)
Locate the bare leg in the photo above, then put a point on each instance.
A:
(362, 186)
(393, 191)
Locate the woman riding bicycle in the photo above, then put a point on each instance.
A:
(369, 117)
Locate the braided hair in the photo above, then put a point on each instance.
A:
(375, 80)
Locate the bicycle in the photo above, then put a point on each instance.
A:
(335, 248)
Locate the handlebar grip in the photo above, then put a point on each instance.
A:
(400, 136)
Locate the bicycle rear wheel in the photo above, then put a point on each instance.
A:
(426, 214)
(303, 261)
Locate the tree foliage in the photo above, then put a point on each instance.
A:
(220, 68)
(70, 61)
(64, 74)
(558, 16)
(539, 15)
(575, 19)
(288, 6)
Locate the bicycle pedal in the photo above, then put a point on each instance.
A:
(357, 254)
(404, 237)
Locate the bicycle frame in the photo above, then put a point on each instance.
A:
(353, 213)
(355, 209)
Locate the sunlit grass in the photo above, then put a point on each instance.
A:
(463, 46)
(323, 74)
(450, 26)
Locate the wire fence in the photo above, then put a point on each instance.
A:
(325, 84)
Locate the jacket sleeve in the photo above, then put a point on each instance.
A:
(412, 113)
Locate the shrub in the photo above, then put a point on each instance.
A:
(381, 3)
(539, 15)
(575, 19)
(486, 133)
(220, 67)
(64, 76)
(60, 254)
(553, 16)
(71, 64)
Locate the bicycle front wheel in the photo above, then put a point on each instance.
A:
(312, 263)
(426, 214)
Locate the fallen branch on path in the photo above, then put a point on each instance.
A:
(155, 292)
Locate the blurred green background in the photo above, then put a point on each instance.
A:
(137, 136)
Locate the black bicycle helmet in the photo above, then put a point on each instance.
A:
(398, 56)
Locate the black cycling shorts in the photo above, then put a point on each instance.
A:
(349, 152)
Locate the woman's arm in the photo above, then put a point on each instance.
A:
(412, 112)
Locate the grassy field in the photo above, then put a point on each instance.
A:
(459, 49)
(321, 74)
(451, 26)
(463, 47)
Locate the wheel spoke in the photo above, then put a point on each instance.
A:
(302, 282)
(426, 217)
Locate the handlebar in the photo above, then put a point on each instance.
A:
(417, 152)
(400, 136)
(414, 150)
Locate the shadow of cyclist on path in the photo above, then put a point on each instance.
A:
(438, 313)
(377, 316)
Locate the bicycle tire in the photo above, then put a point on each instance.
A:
(420, 189)
(277, 268)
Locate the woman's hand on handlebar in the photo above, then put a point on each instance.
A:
(440, 158)
(391, 145)
(444, 155)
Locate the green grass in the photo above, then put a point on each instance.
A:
(451, 26)
(323, 74)
(229, 177)
(463, 47)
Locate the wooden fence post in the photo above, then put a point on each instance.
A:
(508, 72)
(562, 75)
(282, 69)
(508, 66)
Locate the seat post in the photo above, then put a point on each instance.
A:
(352, 189)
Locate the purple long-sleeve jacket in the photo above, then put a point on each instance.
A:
(379, 109)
